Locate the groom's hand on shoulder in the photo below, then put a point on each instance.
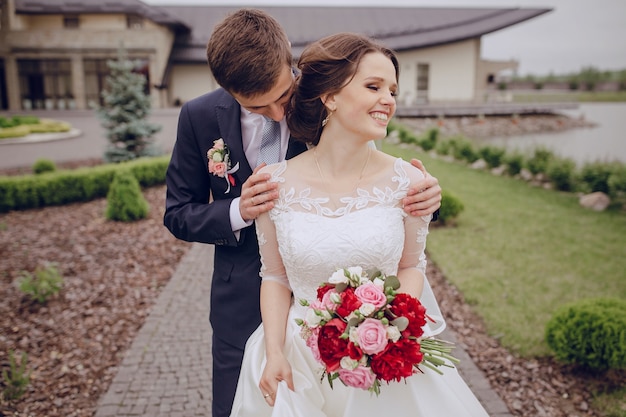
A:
(257, 195)
(423, 197)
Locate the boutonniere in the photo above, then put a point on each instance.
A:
(219, 162)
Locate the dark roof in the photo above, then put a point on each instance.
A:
(153, 13)
(400, 28)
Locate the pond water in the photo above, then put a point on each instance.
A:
(605, 142)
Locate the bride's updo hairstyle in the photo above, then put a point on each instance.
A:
(326, 66)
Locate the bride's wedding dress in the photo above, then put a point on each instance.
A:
(316, 235)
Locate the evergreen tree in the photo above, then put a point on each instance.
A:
(126, 108)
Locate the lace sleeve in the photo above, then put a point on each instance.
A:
(272, 268)
(415, 232)
(414, 255)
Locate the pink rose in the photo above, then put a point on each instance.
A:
(371, 294)
(360, 377)
(218, 144)
(217, 168)
(311, 342)
(327, 301)
(372, 336)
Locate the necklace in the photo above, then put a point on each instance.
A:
(358, 181)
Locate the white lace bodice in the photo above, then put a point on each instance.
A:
(308, 235)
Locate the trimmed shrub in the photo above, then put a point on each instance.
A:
(125, 202)
(562, 173)
(595, 176)
(67, 186)
(444, 147)
(391, 126)
(492, 155)
(429, 142)
(43, 165)
(538, 162)
(590, 333)
(617, 182)
(450, 208)
(406, 136)
(514, 163)
(463, 149)
(26, 120)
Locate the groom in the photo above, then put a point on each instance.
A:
(216, 201)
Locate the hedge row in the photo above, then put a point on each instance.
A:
(77, 185)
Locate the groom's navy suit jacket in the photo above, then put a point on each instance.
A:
(235, 290)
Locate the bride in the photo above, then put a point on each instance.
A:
(339, 206)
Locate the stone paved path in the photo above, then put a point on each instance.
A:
(166, 371)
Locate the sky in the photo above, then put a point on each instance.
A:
(575, 34)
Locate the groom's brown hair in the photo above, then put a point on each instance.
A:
(247, 52)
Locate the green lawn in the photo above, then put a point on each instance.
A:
(518, 252)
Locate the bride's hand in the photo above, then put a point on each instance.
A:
(276, 369)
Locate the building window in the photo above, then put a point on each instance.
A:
(134, 22)
(423, 75)
(45, 84)
(96, 72)
(71, 22)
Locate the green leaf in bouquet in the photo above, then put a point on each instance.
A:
(401, 323)
(392, 282)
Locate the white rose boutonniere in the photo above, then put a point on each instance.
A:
(219, 162)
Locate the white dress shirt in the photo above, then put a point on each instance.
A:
(251, 131)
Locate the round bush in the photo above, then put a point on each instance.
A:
(125, 202)
(595, 175)
(590, 333)
(429, 141)
(514, 163)
(44, 165)
(463, 150)
(450, 208)
(561, 171)
(492, 155)
(617, 182)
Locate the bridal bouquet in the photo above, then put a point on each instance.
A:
(363, 331)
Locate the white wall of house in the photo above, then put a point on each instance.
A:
(98, 36)
(190, 81)
(452, 72)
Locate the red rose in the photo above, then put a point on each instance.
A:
(354, 351)
(349, 302)
(332, 348)
(323, 289)
(397, 360)
(405, 305)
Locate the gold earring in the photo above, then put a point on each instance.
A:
(325, 121)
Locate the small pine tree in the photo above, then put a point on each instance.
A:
(125, 202)
(124, 113)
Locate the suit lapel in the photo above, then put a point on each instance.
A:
(228, 118)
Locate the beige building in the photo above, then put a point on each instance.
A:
(53, 53)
